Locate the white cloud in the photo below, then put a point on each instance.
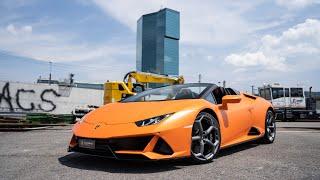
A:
(27, 29)
(12, 29)
(94, 62)
(296, 4)
(256, 59)
(280, 53)
(128, 12)
(56, 47)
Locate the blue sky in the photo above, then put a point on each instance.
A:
(243, 42)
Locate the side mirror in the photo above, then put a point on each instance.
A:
(229, 99)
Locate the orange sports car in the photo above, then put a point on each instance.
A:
(190, 120)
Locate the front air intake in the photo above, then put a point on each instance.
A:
(162, 147)
(129, 143)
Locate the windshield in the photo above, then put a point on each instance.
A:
(265, 93)
(175, 92)
(277, 93)
(296, 92)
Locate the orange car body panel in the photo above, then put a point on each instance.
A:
(117, 120)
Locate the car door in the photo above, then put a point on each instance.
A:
(236, 118)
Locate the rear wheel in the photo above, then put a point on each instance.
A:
(270, 128)
(205, 138)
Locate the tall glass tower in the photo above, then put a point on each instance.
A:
(158, 37)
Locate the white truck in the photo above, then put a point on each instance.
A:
(289, 102)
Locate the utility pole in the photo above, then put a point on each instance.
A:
(252, 89)
(50, 69)
(199, 81)
(264, 90)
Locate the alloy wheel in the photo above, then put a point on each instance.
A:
(270, 126)
(205, 138)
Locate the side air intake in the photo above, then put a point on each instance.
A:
(254, 132)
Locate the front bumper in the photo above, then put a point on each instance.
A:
(127, 141)
(140, 148)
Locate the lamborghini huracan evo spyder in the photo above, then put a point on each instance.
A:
(189, 120)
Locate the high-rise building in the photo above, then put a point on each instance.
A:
(158, 37)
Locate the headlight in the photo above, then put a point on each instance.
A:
(152, 121)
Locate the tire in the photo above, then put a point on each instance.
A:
(270, 128)
(206, 138)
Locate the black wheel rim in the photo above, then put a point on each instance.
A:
(270, 126)
(205, 138)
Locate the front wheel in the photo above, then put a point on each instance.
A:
(270, 128)
(205, 138)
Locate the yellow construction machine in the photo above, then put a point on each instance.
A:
(115, 91)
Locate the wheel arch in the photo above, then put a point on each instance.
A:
(271, 109)
(210, 111)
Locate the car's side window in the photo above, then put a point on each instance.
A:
(231, 91)
(218, 93)
(210, 98)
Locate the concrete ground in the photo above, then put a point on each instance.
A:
(42, 154)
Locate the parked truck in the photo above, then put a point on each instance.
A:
(289, 103)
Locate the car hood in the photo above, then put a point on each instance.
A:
(120, 113)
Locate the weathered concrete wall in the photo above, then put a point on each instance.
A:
(28, 97)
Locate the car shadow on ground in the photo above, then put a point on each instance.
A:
(237, 148)
(96, 163)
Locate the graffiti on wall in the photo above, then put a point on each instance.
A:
(6, 97)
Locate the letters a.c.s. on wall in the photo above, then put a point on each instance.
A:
(18, 96)
(26, 97)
